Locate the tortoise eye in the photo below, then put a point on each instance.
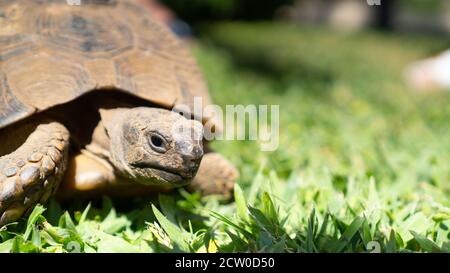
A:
(158, 143)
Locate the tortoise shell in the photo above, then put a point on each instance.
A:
(52, 52)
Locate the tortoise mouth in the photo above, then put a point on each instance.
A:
(171, 176)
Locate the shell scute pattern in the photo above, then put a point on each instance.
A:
(49, 45)
(85, 35)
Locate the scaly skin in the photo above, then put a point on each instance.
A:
(32, 173)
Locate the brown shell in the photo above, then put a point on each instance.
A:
(52, 53)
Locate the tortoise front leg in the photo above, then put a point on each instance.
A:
(216, 175)
(34, 157)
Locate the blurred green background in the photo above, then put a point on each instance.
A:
(362, 159)
(356, 141)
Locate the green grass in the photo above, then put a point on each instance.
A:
(363, 163)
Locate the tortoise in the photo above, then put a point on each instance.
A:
(86, 106)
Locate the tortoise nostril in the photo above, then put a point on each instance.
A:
(193, 158)
(197, 152)
(197, 155)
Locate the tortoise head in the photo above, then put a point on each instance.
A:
(154, 146)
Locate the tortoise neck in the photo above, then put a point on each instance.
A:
(99, 145)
